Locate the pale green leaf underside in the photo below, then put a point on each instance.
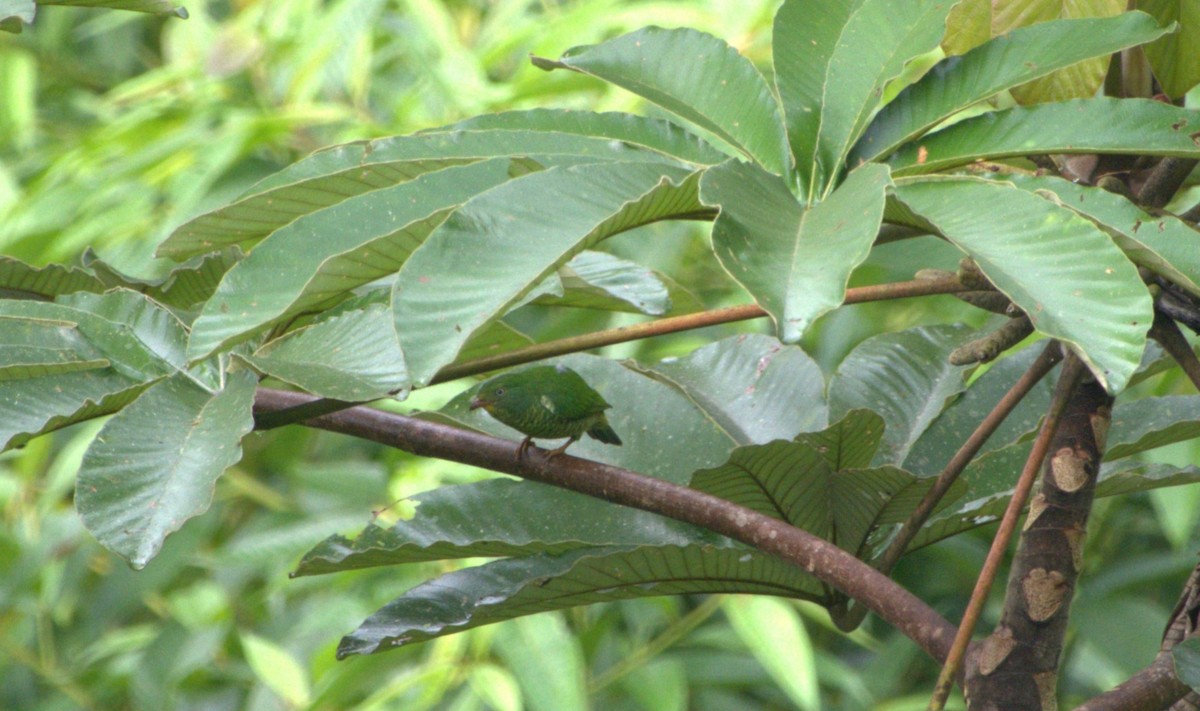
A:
(1062, 271)
(487, 255)
(154, 464)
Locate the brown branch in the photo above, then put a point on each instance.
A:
(1067, 380)
(849, 618)
(587, 341)
(1152, 689)
(1165, 180)
(1171, 339)
(819, 557)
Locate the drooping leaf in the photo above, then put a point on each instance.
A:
(353, 356)
(831, 64)
(513, 587)
(461, 522)
(653, 134)
(1002, 63)
(154, 464)
(1100, 125)
(326, 253)
(697, 77)
(491, 252)
(1062, 271)
(794, 259)
(905, 378)
(755, 388)
(1173, 57)
(1152, 422)
(1163, 244)
(339, 173)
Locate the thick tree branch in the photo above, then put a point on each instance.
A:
(1152, 689)
(587, 341)
(1164, 181)
(819, 557)
(1016, 667)
(1047, 435)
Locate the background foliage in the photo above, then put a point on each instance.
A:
(116, 128)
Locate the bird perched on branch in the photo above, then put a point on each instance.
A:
(547, 402)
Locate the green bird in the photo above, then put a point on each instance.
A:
(547, 402)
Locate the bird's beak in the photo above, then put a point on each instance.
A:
(478, 402)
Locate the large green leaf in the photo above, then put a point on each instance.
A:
(154, 464)
(696, 76)
(794, 259)
(800, 484)
(462, 522)
(19, 280)
(754, 387)
(831, 64)
(353, 356)
(933, 450)
(159, 331)
(513, 587)
(1152, 422)
(324, 254)
(652, 134)
(1000, 64)
(1174, 58)
(1059, 268)
(905, 377)
(34, 348)
(491, 252)
(1100, 125)
(339, 173)
(1163, 244)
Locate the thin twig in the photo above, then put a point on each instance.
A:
(1171, 339)
(824, 560)
(1067, 380)
(587, 341)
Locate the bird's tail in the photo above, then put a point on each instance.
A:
(603, 432)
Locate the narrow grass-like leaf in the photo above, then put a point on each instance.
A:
(831, 64)
(795, 259)
(325, 254)
(352, 356)
(1163, 244)
(754, 387)
(1100, 125)
(1059, 268)
(905, 378)
(491, 252)
(154, 464)
(697, 77)
(1002, 63)
(514, 587)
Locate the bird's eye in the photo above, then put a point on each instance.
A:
(499, 392)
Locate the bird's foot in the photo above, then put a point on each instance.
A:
(523, 447)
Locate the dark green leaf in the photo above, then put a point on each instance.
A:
(1100, 125)
(1186, 656)
(697, 77)
(904, 377)
(1002, 63)
(831, 65)
(794, 259)
(1152, 422)
(595, 280)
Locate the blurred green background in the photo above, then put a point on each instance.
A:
(116, 127)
